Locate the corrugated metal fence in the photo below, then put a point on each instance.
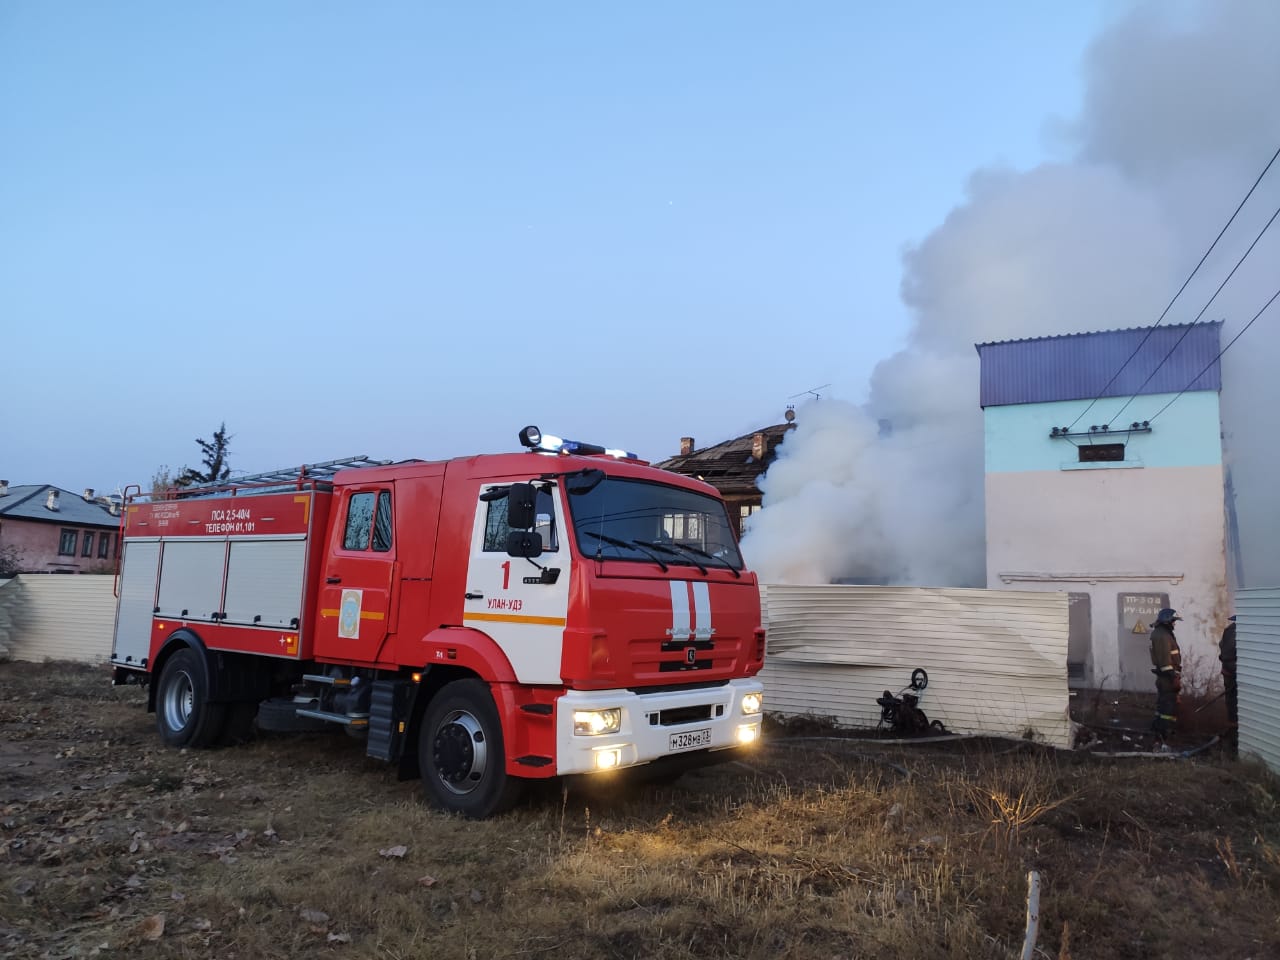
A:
(1258, 672)
(48, 617)
(996, 659)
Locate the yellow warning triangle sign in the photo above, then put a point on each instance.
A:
(1139, 627)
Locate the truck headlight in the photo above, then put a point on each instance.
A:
(595, 723)
(748, 733)
(752, 702)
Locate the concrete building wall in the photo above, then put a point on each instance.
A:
(37, 545)
(1124, 538)
(1188, 434)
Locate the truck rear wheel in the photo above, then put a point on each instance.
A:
(184, 714)
(461, 754)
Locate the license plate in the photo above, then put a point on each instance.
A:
(690, 740)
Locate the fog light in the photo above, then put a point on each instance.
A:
(595, 723)
(608, 759)
(749, 733)
(752, 702)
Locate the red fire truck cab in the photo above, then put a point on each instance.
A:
(482, 622)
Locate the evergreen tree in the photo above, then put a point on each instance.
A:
(217, 467)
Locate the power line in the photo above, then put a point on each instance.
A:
(1193, 323)
(1208, 365)
(811, 392)
(1190, 276)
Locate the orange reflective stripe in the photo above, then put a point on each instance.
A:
(364, 614)
(515, 618)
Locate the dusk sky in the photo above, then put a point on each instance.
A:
(407, 230)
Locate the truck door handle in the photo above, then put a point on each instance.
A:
(333, 580)
(474, 596)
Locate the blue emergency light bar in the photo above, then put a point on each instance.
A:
(540, 442)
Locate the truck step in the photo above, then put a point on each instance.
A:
(341, 718)
(327, 681)
(534, 760)
(389, 711)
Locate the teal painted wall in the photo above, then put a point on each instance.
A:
(1188, 434)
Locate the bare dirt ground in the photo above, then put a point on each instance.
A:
(819, 847)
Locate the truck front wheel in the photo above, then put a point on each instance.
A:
(461, 755)
(184, 714)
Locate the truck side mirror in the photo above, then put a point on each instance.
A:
(524, 543)
(522, 499)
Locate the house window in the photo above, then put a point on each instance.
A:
(745, 513)
(683, 527)
(67, 543)
(1101, 452)
(104, 546)
(88, 544)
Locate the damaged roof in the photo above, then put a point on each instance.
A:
(731, 466)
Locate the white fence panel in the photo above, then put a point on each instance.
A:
(60, 617)
(1258, 673)
(996, 659)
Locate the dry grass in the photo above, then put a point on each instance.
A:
(287, 848)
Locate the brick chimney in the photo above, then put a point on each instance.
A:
(88, 494)
(686, 446)
(757, 446)
(51, 502)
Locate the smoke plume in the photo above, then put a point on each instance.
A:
(1180, 114)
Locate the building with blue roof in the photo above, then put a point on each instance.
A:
(1104, 479)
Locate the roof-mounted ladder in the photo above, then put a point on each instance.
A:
(287, 477)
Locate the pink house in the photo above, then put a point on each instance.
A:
(44, 529)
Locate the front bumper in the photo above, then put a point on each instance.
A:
(654, 725)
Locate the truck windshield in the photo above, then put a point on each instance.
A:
(630, 519)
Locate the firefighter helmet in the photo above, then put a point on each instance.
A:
(1167, 616)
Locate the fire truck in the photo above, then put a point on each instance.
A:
(481, 622)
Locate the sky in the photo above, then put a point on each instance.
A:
(408, 230)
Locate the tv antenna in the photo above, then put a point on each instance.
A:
(811, 392)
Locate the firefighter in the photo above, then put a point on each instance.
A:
(1166, 664)
(1227, 654)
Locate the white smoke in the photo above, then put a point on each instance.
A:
(1180, 115)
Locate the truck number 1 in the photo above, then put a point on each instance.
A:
(506, 575)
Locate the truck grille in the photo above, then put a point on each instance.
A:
(679, 715)
(669, 666)
(658, 660)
